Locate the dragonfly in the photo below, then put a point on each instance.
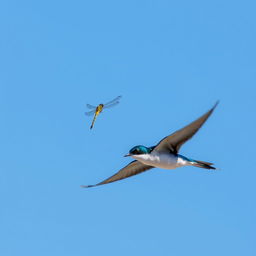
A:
(97, 110)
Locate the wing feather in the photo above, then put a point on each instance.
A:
(174, 141)
(129, 170)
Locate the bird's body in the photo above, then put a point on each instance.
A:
(169, 160)
(161, 160)
(164, 155)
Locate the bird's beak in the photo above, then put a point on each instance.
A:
(127, 155)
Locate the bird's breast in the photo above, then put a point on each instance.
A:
(160, 160)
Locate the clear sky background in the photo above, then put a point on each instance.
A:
(171, 61)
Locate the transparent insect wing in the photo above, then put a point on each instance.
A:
(113, 101)
(111, 105)
(90, 113)
(90, 106)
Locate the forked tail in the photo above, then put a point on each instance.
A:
(202, 164)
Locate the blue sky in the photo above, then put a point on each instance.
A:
(171, 61)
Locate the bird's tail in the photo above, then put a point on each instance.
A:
(202, 164)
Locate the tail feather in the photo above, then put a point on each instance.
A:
(202, 164)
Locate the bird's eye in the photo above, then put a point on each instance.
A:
(138, 151)
(135, 151)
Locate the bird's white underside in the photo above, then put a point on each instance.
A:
(161, 160)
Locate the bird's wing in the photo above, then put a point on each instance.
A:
(174, 141)
(131, 169)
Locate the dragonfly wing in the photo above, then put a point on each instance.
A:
(113, 101)
(90, 113)
(90, 106)
(111, 105)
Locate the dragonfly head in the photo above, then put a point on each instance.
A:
(99, 108)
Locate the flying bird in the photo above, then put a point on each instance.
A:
(164, 155)
(97, 110)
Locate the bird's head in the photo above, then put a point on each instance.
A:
(139, 150)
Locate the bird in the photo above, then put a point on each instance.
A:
(97, 110)
(164, 155)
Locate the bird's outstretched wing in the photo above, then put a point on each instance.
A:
(131, 169)
(173, 142)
